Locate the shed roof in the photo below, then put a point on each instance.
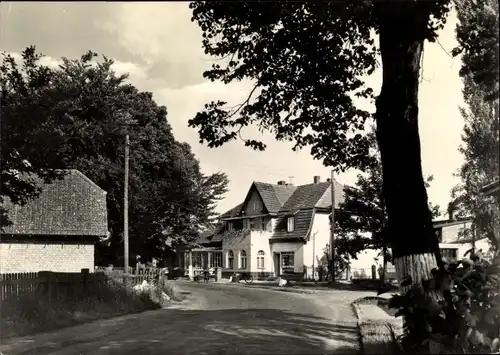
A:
(71, 206)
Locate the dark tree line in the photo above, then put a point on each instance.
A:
(76, 117)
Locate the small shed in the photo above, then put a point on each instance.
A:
(56, 231)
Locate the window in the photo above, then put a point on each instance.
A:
(243, 259)
(264, 224)
(287, 260)
(216, 260)
(439, 234)
(196, 259)
(290, 224)
(229, 226)
(260, 259)
(252, 224)
(257, 206)
(449, 253)
(246, 223)
(230, 259)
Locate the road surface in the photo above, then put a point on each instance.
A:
(215, 319)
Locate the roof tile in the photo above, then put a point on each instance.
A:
(73, 205)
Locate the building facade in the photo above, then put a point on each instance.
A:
(57, 230)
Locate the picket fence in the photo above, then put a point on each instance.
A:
(68, 285)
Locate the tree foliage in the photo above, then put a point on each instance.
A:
(477, 35)
(481, 150)
(361, 221)
(468, 324)
(308, 62)
(84, 110)
(30, 137)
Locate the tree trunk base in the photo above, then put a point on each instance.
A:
(417, 266)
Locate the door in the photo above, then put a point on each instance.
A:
(277, 264)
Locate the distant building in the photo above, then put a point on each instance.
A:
(492, 189)
(278, 230)
(56, 231)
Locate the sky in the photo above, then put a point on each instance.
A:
(159, 46)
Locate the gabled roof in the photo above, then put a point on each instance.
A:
(273, 196)
(71, 206)
(233, 212)
(302, 225)
(310, 196)
(301, 201)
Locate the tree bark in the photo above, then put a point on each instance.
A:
(402, 26)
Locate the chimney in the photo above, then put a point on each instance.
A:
(450, 211)
(317, 179)
(281, 182)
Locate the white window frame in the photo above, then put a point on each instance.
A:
(243, 259)
(197, 260)
(444, 251)
(289, 267)
(230, 259)
(290, 224)
(260, 259)
(216, 260)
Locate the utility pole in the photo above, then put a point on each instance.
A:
(125, 209)
(332, 235)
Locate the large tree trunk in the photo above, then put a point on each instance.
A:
(414, 246)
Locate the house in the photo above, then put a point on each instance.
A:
(205, 253)
(279, 229)
(455, 240)
(492, 189)
(57, 230)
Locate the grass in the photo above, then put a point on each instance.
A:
(35, 312)
(380, 302)
(171, 289)
(377, 336)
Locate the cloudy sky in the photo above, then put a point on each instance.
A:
(161, 49)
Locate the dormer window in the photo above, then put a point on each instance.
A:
(290, 225)
(257, 206)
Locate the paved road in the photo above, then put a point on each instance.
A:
(215, 319)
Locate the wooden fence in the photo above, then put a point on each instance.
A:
(51, 284)
(60, 284)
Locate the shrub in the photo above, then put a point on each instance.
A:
(33, 312)
(456, 312)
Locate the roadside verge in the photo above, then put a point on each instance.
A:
(376, 327)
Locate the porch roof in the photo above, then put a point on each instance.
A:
(198, 249)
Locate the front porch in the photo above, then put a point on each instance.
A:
(197, 260)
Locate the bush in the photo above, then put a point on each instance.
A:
(456, 312)
(167, 287)
(34, 312)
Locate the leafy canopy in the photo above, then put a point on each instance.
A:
(307, 62)
(478, 36)
(361, 221)
(77, 116)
